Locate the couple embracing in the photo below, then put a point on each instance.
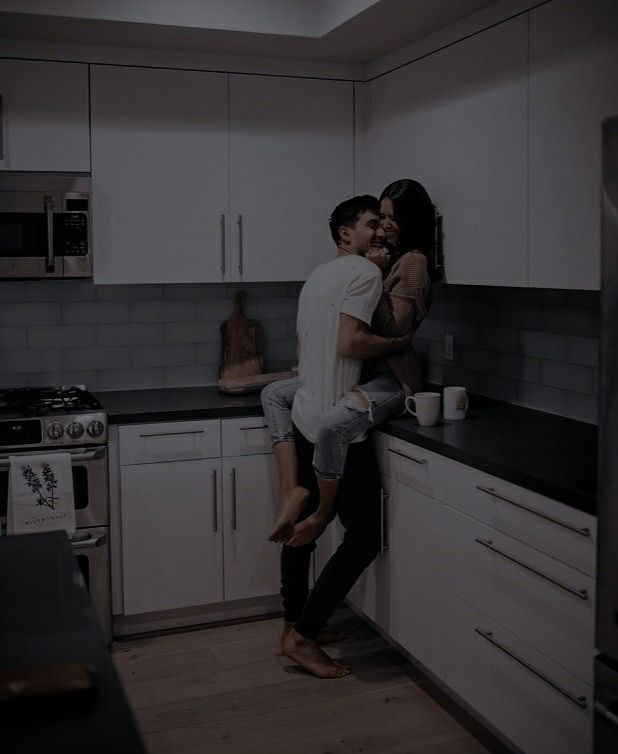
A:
(356, 318)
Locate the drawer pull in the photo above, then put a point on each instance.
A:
(169, 434)
(383, 527)
(580, 701)
(581, 593)
(233, 499)
(582, 531)
(421, 462)
(260, 426)
(215, 519)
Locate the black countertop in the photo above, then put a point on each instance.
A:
(47, 618)
(542, 452)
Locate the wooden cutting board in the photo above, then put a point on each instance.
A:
(241, 344)
(245, 385)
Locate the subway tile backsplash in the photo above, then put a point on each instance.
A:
(535, 347)
(133, 336)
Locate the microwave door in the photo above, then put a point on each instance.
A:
(27, 236)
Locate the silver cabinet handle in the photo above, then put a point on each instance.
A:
(582, 531)
(383, 521)
(487, 543)
(1, 128)
(259, 426)
(240, 248)
(233, 499)
(169, 434)
(215, 518)
(79, 544)
(50, 264)
(580, 701)
(222, 221)
(420, 461)
(93, 455)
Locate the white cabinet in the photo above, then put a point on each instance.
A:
(171, 535)
(573, 87)
(530, 699)
(291, 163)
(401, 591)
(250, 501)
(44, 116)
(160, 175)
(456, 121)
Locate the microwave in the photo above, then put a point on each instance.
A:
(45, 234)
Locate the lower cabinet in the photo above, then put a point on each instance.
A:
(171, 535)
(401, 590)
(250, 496)
(533, 701)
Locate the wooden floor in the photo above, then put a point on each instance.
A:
(226, 690)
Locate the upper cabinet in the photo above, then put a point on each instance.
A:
(456, 121)
(292, 153)
(44, 116)
(573, 87)
(160, 175)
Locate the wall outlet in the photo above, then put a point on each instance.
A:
(449, 347)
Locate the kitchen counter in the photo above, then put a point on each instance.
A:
(47, 618)
(542, 452)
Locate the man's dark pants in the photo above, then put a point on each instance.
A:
(358, 508)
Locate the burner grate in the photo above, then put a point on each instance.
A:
(44, 401)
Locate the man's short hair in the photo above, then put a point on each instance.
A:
(348, 212)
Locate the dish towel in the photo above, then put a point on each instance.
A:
(40, 494)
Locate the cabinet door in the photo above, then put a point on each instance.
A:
(44, 116)
(171, 535)
(160, 175)
(291, 163)
(456, 121)
(573, 87)
(250, 498)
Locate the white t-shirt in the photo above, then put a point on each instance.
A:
(350, 285)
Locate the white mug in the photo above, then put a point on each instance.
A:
(455, 403)
(427, 407)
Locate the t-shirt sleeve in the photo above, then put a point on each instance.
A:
(363, 295)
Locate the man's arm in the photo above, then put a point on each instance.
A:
(355, 341)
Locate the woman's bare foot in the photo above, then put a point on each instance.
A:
(326, 636)
(310, 656)
(307, 530)
(293, 503)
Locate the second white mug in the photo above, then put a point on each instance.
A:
(455, 403)
(427, 407)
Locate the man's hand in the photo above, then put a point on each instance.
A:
(380, 258)
(356, 342)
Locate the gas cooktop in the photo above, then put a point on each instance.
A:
(44, 417)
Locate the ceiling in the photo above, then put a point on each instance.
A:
(355, 31)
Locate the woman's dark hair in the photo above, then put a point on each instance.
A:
(416, 217)
(348, 212)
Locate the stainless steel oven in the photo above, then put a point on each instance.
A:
(91, 549)
(46, 228)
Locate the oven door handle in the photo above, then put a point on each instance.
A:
(92, 455)
(82, 544)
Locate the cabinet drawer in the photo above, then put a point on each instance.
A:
(543, 601)
(530, 699)
(409, 464)
(556, 529)
(169, 441)
(247, 436)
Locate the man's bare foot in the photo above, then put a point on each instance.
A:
(292, 505)
(310, 656)
(307, 530)
(326, 636)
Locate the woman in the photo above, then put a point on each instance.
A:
(407, 220)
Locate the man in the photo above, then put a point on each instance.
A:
(335, 310)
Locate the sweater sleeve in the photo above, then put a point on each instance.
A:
(403, 303)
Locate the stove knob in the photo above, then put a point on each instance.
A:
(55, 431)
(95, 428)
(75, 430)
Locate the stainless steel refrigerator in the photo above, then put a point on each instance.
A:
(606, 664)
